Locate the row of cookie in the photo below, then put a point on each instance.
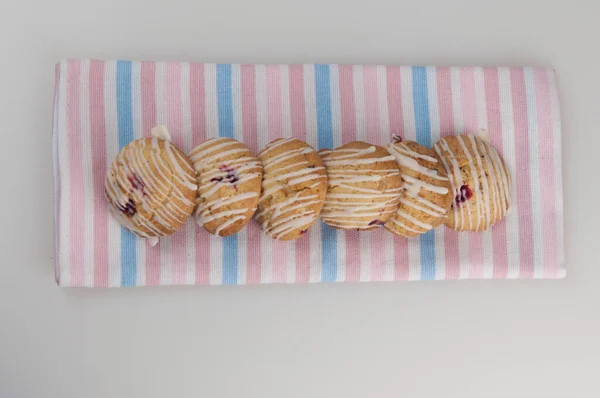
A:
(462, 182)
(153, 187)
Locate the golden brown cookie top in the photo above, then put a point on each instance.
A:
(479, 181)
(364, 186)
(294, 187)
(229, 183)
(150, 187)
(426, 189)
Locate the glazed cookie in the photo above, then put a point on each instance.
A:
(294, 187)
(426, 194)
(479, 181)
(364, 186)
(229, 177)
(150, 186)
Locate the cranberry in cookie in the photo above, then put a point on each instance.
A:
(150, 186)
(364, 186)
(229, 182)
(294, 187)
(479, 180)
(426, 192)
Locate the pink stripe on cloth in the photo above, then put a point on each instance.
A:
(523, 179)
(470, 126)
(396, 120)
(492, 95)
(76, 173)
(57, 174)
(348, 131)
(249, 131)
(298, 116)
(373, 124)
(371, 105)
(275, 126)
(174, 121)
(546, 167)
(197, 112)
(99, 166)
(394, 98)
(347, 104)
(148, 93)
(444, 87)
(297, 105)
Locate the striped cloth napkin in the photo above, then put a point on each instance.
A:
(102, 105)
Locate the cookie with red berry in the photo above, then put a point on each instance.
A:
(426, 192)
(364, 186)
(151, 187)
(294, 187)
(229, 183)
(479, 180)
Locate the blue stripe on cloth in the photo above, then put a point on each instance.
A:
(226, 129)
(125, 128)
(325, 140)
(423, 132)
(323, 94)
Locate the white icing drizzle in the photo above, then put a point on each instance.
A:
(228, 223)
(504, 183)
(217, 203)
(224, 167)
(494, 190)
(476, 191)
(357, 206)
(161, 132)
(414, 188)
(404, 226)
(484, 135)
(453, 174)
(360, 161)
(412, 219)
(416, 185)
(300, 180)
(270, 163)
(140, 180)
(275, 144)
(408, 153)
(297, 211)
(153, 240)
(407, 158)
(358, 196)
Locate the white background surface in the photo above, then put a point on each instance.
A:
(425, 339)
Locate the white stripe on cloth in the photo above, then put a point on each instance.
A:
(558, 181)
(262, 121)
(534, 174)
(336, 126)
(187, 133)
(286, 124)
(434, 118)
(215, 276)
(310, 110)
(359, 106)
(165, 243)
(457, 116)
(64, 170)
(112, 149)
(410, 134)
(486, 238)
(136, 109)
(384, 123)
(508, 153)
(88, 182)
